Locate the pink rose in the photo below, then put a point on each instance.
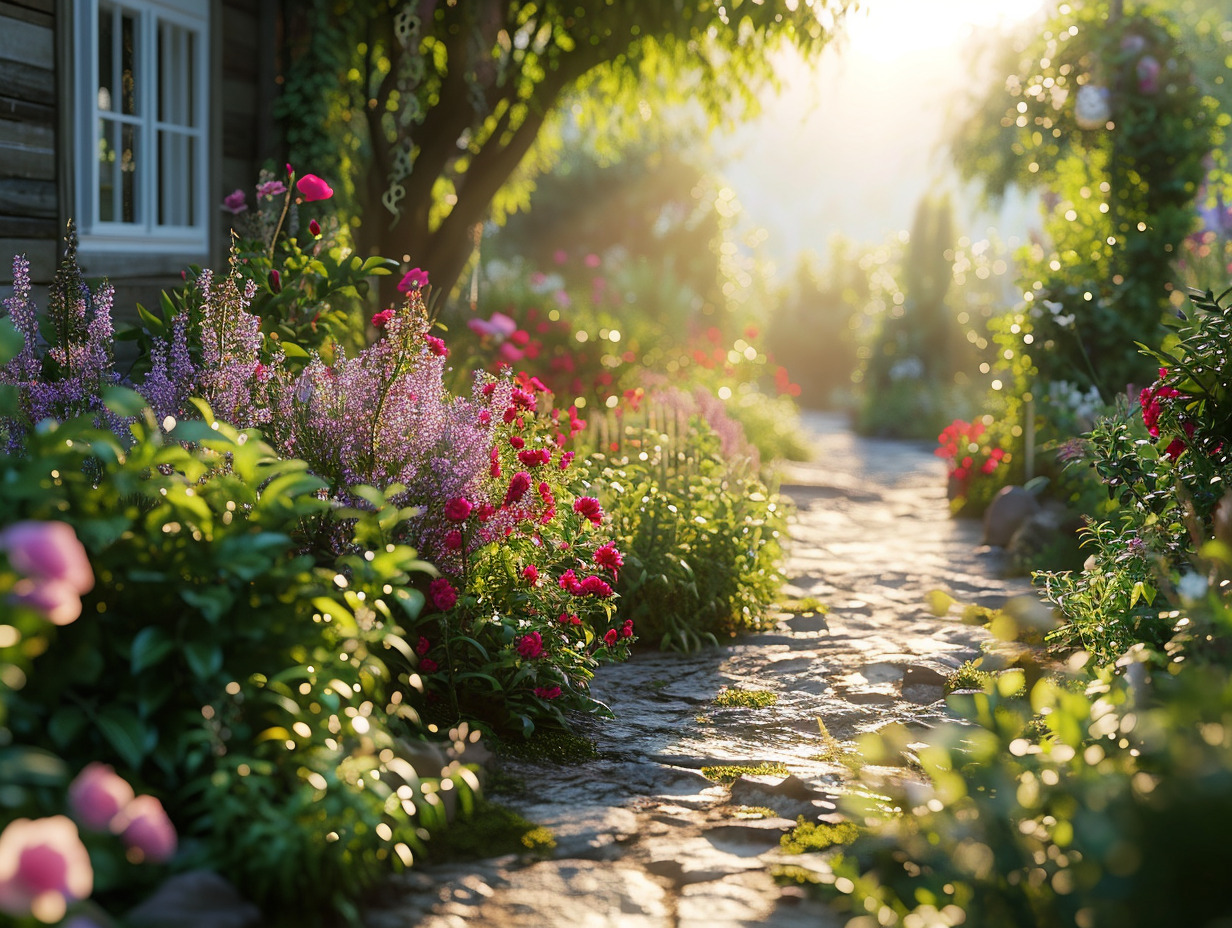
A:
(381, 319)
(531, 646)
(610, 637)
(43, 867)
(442, 594)
(48, 551)
(97, 795)
(313, 188)
(596, 586)
(146, 829)
(588, 507)
(531, 573)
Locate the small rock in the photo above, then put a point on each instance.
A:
(920, 675)
(1011, 507)
(196, 899)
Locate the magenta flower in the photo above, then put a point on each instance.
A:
(517, 441)
(422, 646)
(381, 319)
(436, 346)
(498, 326)
(610, 637)
(275, 280)
(588, 507)
(97, 795)
(596, 586)
(453, 540)
(234, 202)
(547, 692)
(569, 581)
(531, 573)
(48, 551)
(566, 459)
(608, 557)
(442, 594)
(458, 508)
(428, 665)
(313, 188)
(314, 228)
(531, 646)
(413, 279)
(519, 483)
(43, 867)
(534, 457)
(626, 630)
(560, 256)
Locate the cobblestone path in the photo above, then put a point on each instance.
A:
(643, 839)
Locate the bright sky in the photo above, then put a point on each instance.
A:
(852, 143)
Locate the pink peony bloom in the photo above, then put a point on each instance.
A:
(413, 279)
(534, 457)
(519, 483)
(442, 594)
(313, 188)
(43, 867)
(596, 586)
(97, 795)
(234, 202)
(48, 551)
(608, 557)
(531, 573)
(531, 646)
(147, 830)
(588, 507)
(453, 540)
(569, 581)
(566, 459)
(458, 508)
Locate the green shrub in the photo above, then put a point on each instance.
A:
(701, 535)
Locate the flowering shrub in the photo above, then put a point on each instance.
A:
(972, 465)
(699, 531)
(214, 664)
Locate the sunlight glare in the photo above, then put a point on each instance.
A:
(887, 30)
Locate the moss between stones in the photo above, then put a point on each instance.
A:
(810, 836)
(968, 677)
(805, 605)
(553, 745)
(492, 830)
(791, 875)
(753, 812)
(747, 699)
(730, 773)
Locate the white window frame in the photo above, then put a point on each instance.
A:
(146, 232)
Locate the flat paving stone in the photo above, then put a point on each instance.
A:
(643, 839)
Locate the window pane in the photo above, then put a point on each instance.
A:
(106, 170)
(176, 170)
(128, 56)
(128, 172)
(106, 60)
(176, 92)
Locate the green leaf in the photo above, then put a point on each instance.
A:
(123, 401)
(204, 659)
(11, 340)
(65, 725)
(153, 324)
(124, 732)
(213, 602)
(193, 430)
(292, 350)
(151, 646)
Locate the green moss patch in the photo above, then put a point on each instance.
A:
(553, 745)
(492, 830)
(791, 875)
(747, 699)
(810, 836)
(730, 773)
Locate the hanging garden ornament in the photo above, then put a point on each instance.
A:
(1093, 108)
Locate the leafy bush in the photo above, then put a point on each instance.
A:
(699, 530)
(215, 665)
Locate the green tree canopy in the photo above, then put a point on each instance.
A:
(432, 114)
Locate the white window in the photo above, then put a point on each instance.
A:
(141, 111)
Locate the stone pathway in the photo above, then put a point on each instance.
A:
(643, 839)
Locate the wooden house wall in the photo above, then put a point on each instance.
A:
(35, 198)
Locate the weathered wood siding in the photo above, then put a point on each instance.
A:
(29, 205)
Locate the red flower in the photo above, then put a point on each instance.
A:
(588, 507)
(313, 188)
(608, 557)
(596, 586)
(422, 646)
(517, 442)
(453, 540)
(531, 646)
(275, 280)
(485, 512)
(458, 508)
(442, 594)
(566, 618)
(428, 665)
(381, 319)
(533, 457)
(436, 346)
(566, 459)
(531, 573)
(569, 581)
(626, 630)
(494, 458)
(314, 228)
(518, 485)
(610, 637)
(547, 692)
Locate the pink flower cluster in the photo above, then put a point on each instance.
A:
(1154, 399)
(54, 567)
